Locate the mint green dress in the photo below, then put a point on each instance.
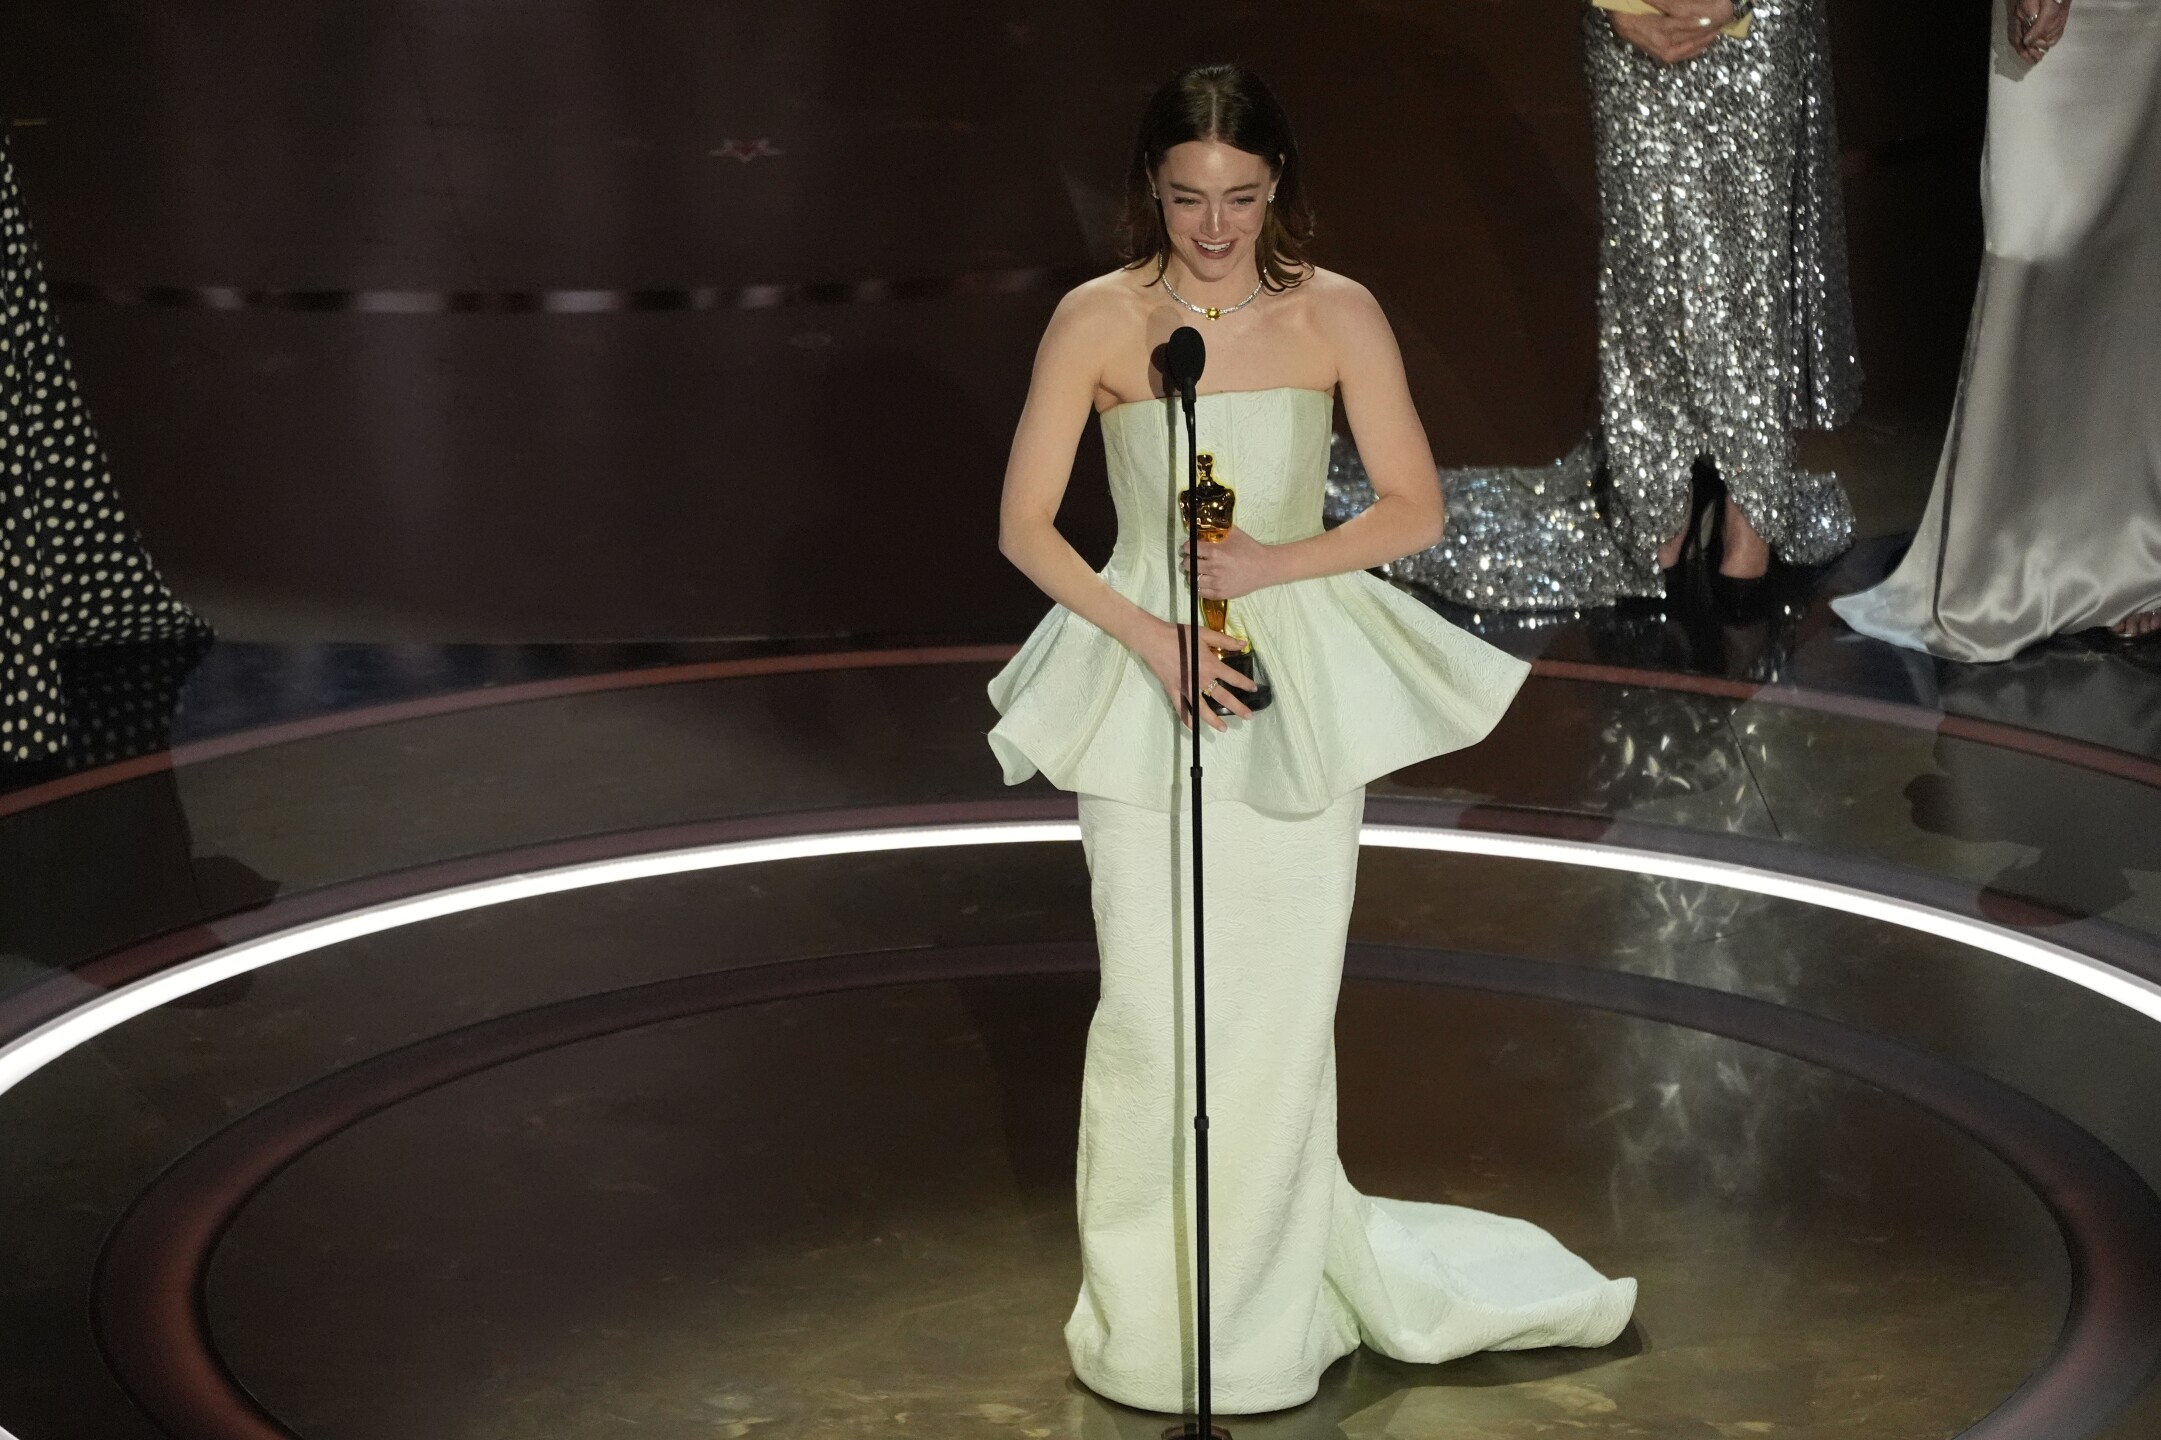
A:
(1367, 681)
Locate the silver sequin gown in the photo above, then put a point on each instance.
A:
(72, 571)
(1725, 325)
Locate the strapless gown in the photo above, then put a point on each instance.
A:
(1367, 681)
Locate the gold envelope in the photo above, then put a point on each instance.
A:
(1738, 29)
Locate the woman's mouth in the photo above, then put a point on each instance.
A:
(1215, 251)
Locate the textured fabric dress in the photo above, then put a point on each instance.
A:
(2046, 513)
(1724, 326)
(1367, 680)
(72, 571)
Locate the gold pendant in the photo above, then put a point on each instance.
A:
(1214, 313)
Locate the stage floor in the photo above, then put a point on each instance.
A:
(686, 1042)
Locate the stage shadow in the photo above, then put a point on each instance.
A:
(2086, 831)
(2075, 685)
(92, 872)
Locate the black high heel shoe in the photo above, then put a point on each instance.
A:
(1704, 492)
(1740, 599)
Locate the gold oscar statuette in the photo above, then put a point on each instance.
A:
(1210, 506)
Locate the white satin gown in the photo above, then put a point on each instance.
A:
(2046, 513)
(1367, 680)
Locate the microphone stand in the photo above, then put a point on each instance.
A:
(1205, 1429)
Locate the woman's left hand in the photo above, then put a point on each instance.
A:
(1236, 565)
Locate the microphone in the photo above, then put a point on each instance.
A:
(1184, 357)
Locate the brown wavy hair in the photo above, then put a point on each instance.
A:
(1228, 103)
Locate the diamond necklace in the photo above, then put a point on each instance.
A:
(1213, 312)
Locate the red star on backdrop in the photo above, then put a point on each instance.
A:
(747, 150)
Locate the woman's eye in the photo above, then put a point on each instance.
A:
(1245, 200)
(1185, 201)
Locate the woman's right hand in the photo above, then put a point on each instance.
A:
(1165, 653)
(2036, 26)
(1671, 38)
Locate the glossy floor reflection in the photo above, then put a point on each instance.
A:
(731, 1218)
(796, 1264)
(850, 1213)
(1790, 1122)
(330, 795)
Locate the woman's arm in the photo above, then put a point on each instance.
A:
(1406, 513)
(1061, 392)
(1068, 369)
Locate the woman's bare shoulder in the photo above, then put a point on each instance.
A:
(1337, 296)
(1095, 322)
(1346, 322)
(1099, 310)
(1344, 314)
(1118, 295)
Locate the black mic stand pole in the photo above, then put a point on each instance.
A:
(1206, 1428)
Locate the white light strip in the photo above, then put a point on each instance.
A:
(40, 1047)
(2099, 976)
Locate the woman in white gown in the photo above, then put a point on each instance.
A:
(2046, 514)
(1365, 681)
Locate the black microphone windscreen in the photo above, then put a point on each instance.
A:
(1184, 357)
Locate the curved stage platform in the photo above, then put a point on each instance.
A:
(597, 1042)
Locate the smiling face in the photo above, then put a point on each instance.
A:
(1215, 198)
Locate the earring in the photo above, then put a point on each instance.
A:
(1271, 199)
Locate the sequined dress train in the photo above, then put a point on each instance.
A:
(1724, 326)
(72, 570)
(1367, 680)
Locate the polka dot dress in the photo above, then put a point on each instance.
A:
(72, 570)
